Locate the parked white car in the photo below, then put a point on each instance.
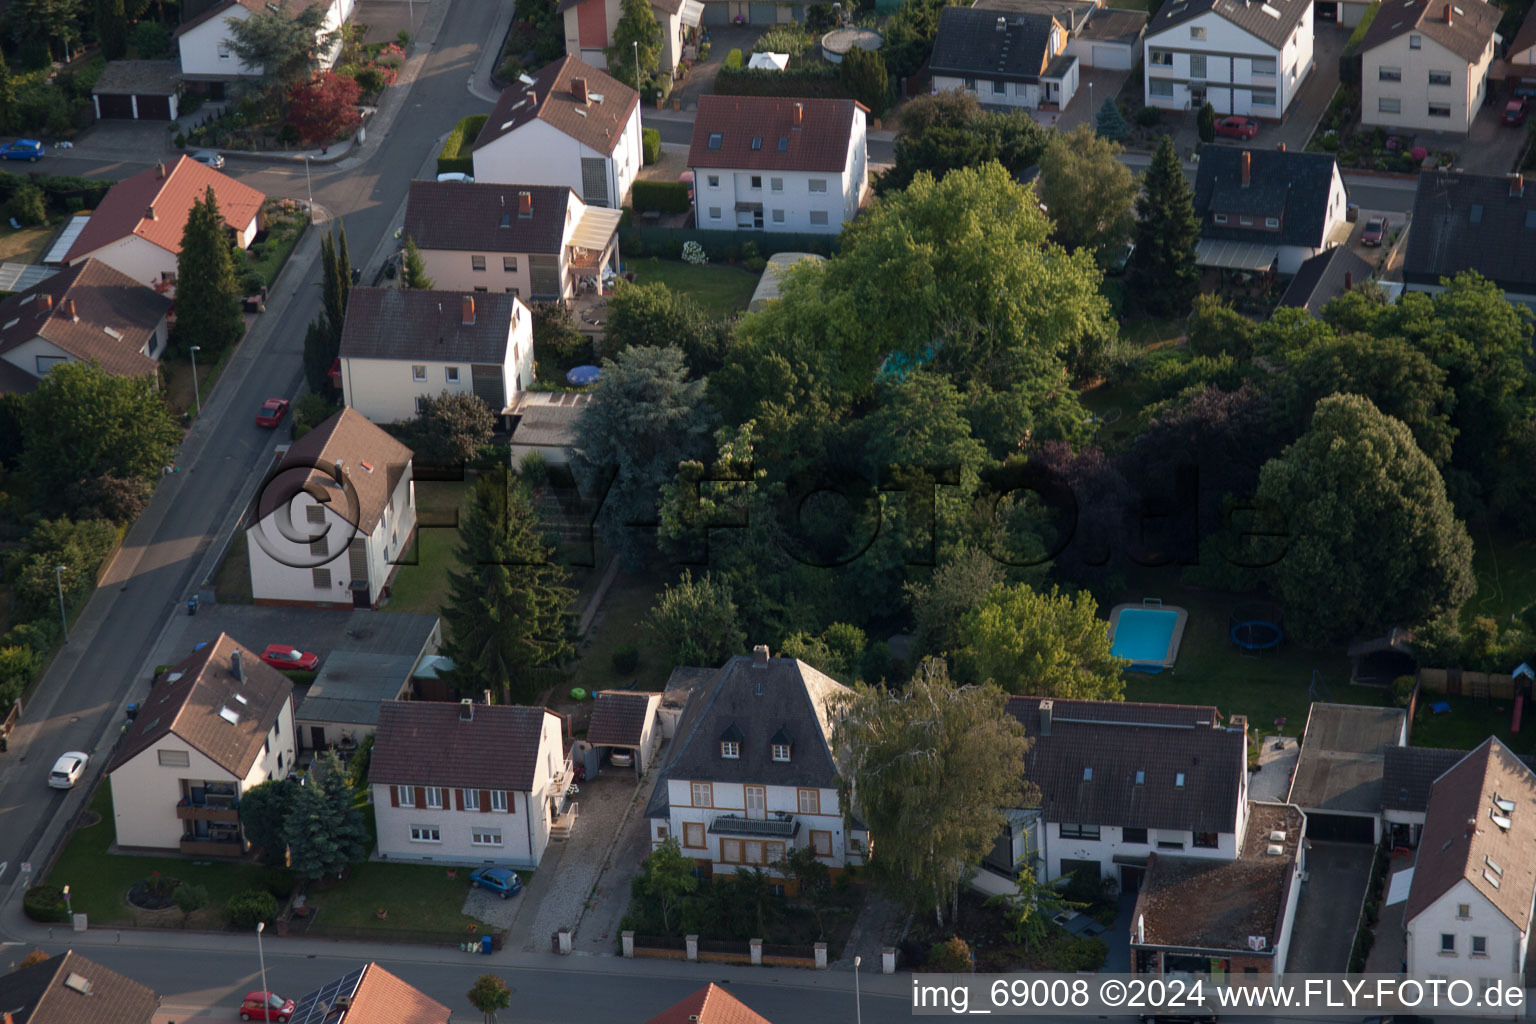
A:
(68, 769)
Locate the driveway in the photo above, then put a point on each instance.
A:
(1324, 933)
(320, 632)
(1489, 148)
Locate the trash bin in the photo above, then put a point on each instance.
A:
(192, 605)
(486, 942)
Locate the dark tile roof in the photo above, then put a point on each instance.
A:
(1460, 836)
(759, 700)
(190, 701)
(1473, 222)
(1525, 38)
(1343, 757)
(1290, 185)
(1411, 771)
(599, 125)
(476, 217)
(1112, 25)
(291, 7)
(16, 381)
(1118, 739)
(752, 128)
(141, 77)
(50, 993)
(1467, 34)
(169, 190)
(1324, 277)
(709, 1005)
(425, 743)
(408, 323)
(1073, 14)
(1252, 16)
(1006, 47)
(352, 439)
(93, 312)
(619, 717)
(1201, 903)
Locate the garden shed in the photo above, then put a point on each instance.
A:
(138, 90)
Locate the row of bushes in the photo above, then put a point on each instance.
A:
(650, 145)
(455, 156)
(816, 82)
(662, 196)
(45, 904)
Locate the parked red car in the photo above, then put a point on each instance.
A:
(1514, 113)
(290, 658)
(272, 412)
(1375, 231)
(266, 1006)
(1237, 127)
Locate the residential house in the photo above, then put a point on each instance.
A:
(1325, 277)
(1240, 57)
(1263, 209)
(1469, 905)
(770, 164)
(401, 346)
(573, 126)
(590, 24)
(350, 485)
(138, 90)
(1098, 36)
(537, 242)
(1520, 58)
(1202, 917)
(1410, 773)
(1120, 780)
(1012, 60)
(468, 783)
(709, 1005)
(203, 42)
(88, 313)
(368, 995)
(1338, 778)
(752, 774)
(138, 225)
(1424, 65)
(624, 721)
(341, 708)
(1473, 222)
(69, 989)
(215, 725)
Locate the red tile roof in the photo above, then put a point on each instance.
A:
(382, 998)
(758, 133)
(372, 463)
(427, 743)
(596, 124)
(169, 191)
(93, 312)
(710, 1005)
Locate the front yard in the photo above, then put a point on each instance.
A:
(419, 897)
(421, 581)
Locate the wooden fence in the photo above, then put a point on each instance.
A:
(1467, 684)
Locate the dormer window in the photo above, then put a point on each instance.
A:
(781, 751)
(730, 749)
(779, 743)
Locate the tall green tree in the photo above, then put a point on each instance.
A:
(1110, 123)
(666, 876)
(932, 772)
(862, 73)
(324, 827)
(489, 994)
(944, 132)
(207, 291)
(414, 267)
(1030, 907)
(264, 815)
(637, 35)
(940, 604)
(837, 651)
(1374, 543)
(48, 21)
(654, 315)
(112, 28)
(1163, 274)
(336, 280)
(1042, 644)
(7, 96)
(507, 606)
(695, 622)
(451, 428)
(1089, 193)
(1206, 123)
(282, 48)
(320, 351)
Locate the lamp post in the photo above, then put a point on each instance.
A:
(309, 188)
(858, 1002)
(637, 65)
(69, 907)
(58, 578)
(197, 392)
(261, 926)
(1092, 110)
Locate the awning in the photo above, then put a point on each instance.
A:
(1129, 861)
(595, 228)
(1236, 255)
(1401, 882)
(692, 13)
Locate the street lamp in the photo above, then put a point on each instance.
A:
(261, 926)
(858, 1003)
(58, 578)
(1092, 111)
(637, 66)
(309, 189)
(197, 392)
(68, 907)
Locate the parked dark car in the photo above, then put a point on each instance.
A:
(504, 882)
(1514, 113)
(1375, 231)
(1237, 127)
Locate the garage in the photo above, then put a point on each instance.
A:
(1109, 39)
(716, 12)
(138, 90)
(763, 14)
(622, 732)
(1340, 828)
(1325, 12)
(1338, 778)
(1114, 58)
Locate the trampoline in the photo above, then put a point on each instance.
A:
(1256, 628)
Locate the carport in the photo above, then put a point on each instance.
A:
(1339, 775)
(624, 722)
(138, 90)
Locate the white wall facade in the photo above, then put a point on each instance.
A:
(1456, 102)
(1023, 95)
(452, 270)
(26, 356)
(1506, 944)
(139, 258)
(540, 154)
(731, 798)
(1111, 842)
(204, 50)
(1236, 79)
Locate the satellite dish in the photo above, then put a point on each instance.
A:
(525, 79)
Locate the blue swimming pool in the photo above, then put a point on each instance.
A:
(1146, 636)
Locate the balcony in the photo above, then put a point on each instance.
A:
(774, 827)
(210, 847)
(561, 780)
(186, 810)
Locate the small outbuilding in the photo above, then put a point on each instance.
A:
(342, 706)
(138, 90)
(624, 722)
(768, 285)
(1338, 780)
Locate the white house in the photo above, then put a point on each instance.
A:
(203, 41)
(468, 783)
(1242, 58)
(329, 527)
(87, 313)
(752, 773)
(214, 726)
(138, 225)
(574, 126)
(589, 27)
(536, 242)
(769, 164)
(400, 346)
(1267, 208)
(1010, 59)
(1424, 65)
(1469, 905)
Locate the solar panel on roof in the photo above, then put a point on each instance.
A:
(315, 1007)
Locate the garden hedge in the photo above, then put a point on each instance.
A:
(663, 196)
(45, 903)
(732, 61)
(455, 156)
(811, 82)
(650, 145)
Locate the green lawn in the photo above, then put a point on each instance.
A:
(418, 896)
(99, 881)
(232, 583)
(421, 582)
(1506, 575)
(1469, 722)
(620, 622)
(719, 289)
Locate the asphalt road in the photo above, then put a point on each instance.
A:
(153, 574)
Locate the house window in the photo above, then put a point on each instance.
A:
(1219, 218)
(1197, 65)
(1159, 87)
(810, 801)
(418, 373)
(855, 844)
(1439, 110)
(1263, 97)
(714, 213)
(407, 795)
(999, 88)
(471, 799)
(477, 263)
(434, 798)
(321, 578)
(223, 52)
(174, 758)
(1389, 74)
(822, 842)
(482, 288)
(714, 181)
(1464, 911)
(730, 851)
(703, 794)
(1415, 42)
(498, 800)
(818, 185)
(730, 749)
(485, 837)
(1447, 942)
(778, 216)
(1080, 832)
(451, 374)
(1479, 945)
(1165, 845)
(1246, 222)
(776, 184)
(514, 292)
(661, 833)
(818, 216)
(1439, 78)
(1135, 836)
(693, 835)
(1263, 65)
(757, 181)
(1272, 222)
(425, 834)
(781, 751)
(1161, 58)
(970, 83)
(716, 140)
(421, 405)
(1389, 105)
(509, 264)
(1197, 31)
(1206, 840)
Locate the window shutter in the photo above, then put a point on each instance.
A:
(511, 801)
(485, 801)
(458, 798)
(421, 796)
(394, 796)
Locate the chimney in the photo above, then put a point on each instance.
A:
(488, 701)
(760, 656)
(1238, 723)
(1349, 281)
(525, 204)
(69, 310)
(799, 114)
(160, 170)
(579, 90)
(46, 300)
(1047, 710)
(466, 710)
(149, 213)
(1516, 185)
(1246, 163)
(469, 311)
(1002, 24)
(235, 668)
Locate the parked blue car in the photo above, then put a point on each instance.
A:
(23, 149)
(504, 882)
